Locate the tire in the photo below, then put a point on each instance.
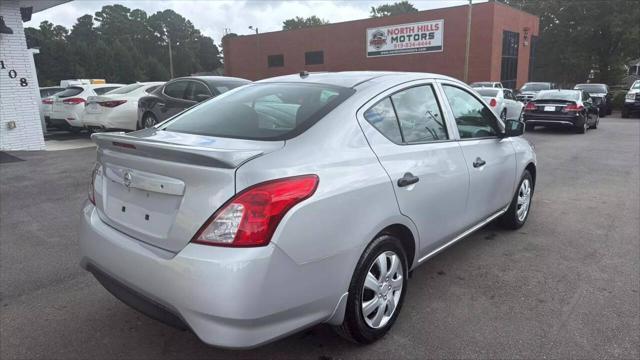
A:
(529, 127)
(503, 115)
(595, 124)
(582, 128)
(357, 327)
(148, 120)
(75, 130)
(512, 219)
(625, 113)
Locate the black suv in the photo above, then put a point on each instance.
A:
(529, 90)
(600, 95)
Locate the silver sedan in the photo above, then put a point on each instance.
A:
(299, 200)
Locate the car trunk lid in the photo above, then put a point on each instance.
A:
(160, 187)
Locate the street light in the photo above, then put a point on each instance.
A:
(466, 54)
(252, 28)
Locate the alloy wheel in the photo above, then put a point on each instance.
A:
(524, 200)
(149, 122)
(382, 289)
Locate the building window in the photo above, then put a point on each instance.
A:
(509, 68)
(314, 57)
(275, 60)
(532, 58)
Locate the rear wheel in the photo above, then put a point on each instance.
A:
(376, 292)
(503, 115)
(625, 113)
(518, 210)
(149, 121)
(581, 128)
(595, 123)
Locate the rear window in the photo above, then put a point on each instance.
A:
(267, 111)
(223, 87)
(487, 92)
(568, 95)
(535, 87)
(106, 89)
(482, 84)
(592, 88)
(70, 91)
(150, 89)
(125, 89)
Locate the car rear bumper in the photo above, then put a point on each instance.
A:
(229, 297)
(63, 123)
(552, 119)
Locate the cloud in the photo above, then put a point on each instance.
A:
(213, 17)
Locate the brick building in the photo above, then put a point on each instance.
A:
(503, 41)
(20, 124)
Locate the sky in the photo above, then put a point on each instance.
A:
(212, 17)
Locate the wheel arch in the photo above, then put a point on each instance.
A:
(531, 167)
(406, 237)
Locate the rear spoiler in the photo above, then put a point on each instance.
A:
(203, 156)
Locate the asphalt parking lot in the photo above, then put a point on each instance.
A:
(566, 285)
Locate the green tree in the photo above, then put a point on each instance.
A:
(301, 23)
(401, 7)
(579, 36)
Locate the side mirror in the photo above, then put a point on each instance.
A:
(513, 128)
(202, 97)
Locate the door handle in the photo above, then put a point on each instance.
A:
(478, 163)
(407, 179)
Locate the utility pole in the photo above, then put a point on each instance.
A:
(170, 57)
(251, 27)
(466, 54)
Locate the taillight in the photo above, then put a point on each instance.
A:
(493, 103)
(74, 101)
(573, 107)
(92, 191)
(530, 106)
(251, 217)
(47, 101)
(112, 103)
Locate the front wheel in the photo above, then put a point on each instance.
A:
(595, 123)
(625, 113)
(503, 115)
(376, 292)
(518, 210)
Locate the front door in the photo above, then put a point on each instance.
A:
(490, 159)
(407, 130)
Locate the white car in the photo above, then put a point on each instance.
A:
(502, 102)
(489, 84)
(46, 100)
(117, 109)
(68, 105)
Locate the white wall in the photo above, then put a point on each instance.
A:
(18, 103)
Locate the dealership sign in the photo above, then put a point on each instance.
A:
(405, 38)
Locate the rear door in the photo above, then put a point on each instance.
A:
(174, 99)
(490, 160)
(406, 129)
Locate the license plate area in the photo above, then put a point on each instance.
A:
(549, 108)
(94, 108)
(144, 212)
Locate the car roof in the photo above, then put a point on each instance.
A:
(352, 79)
(213, 79)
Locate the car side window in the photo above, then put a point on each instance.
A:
(383, 118)
(508, 94)
(473, 119)
(195, 90)
(176, 89)
(419, 115)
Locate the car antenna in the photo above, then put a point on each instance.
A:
(304, 74)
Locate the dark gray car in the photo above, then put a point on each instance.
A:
(182, 93)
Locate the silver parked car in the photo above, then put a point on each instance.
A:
(299, 200)
(502, 102)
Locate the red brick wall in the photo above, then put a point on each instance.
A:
(344, 46)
